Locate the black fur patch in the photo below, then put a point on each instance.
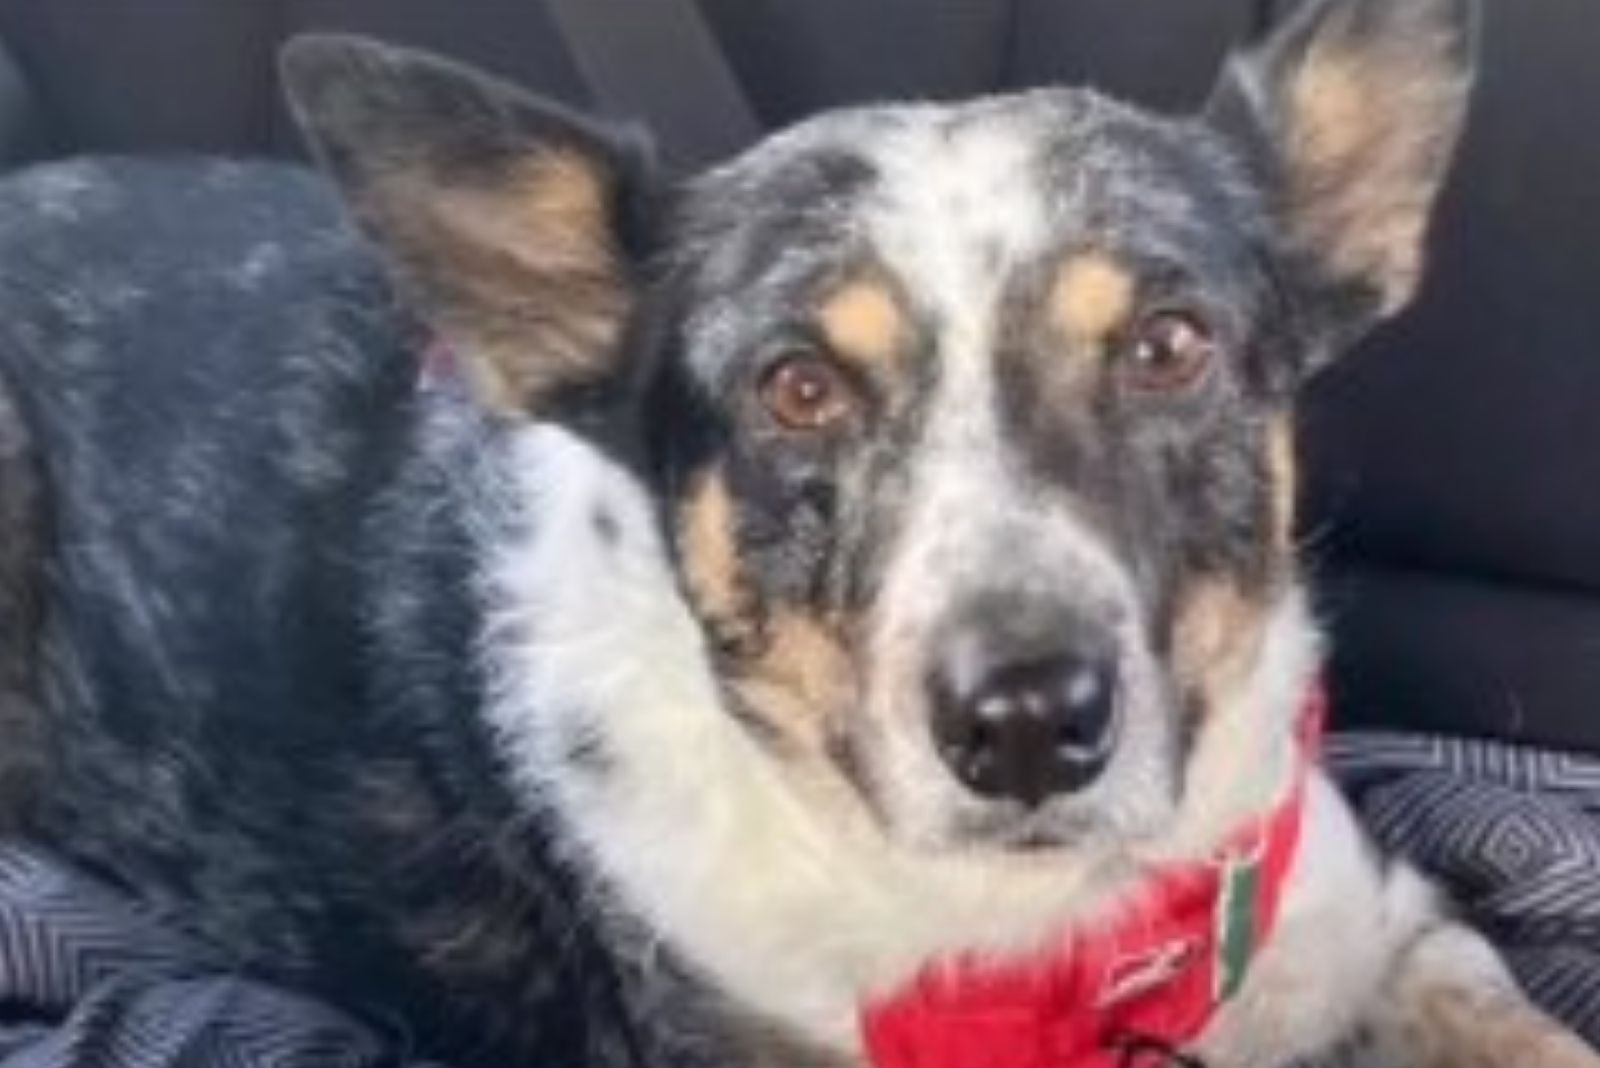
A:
(22, 511)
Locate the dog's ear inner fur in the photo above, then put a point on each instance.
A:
(1350, 116)
(504, 219)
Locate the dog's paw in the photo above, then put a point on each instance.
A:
(1453, 1005)
(1464, 1029)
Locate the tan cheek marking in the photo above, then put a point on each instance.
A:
(863, 323)
(802, 682)
(536, 288)
(1283, 470)
(791, 669)
(1217, 640)
(708, 546)
(1220, 625)
(1093, 296)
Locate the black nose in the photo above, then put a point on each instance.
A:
(1026, 730)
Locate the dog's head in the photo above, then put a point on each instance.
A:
(968, 426)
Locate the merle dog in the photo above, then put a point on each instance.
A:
(595, 619)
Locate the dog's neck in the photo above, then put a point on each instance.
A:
(591, 647)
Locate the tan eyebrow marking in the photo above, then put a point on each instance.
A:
(1093, 295)
(862, 322)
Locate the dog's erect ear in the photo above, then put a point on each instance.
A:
(1351, 113)
(506, 221)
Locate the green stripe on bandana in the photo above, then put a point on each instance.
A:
(1236, 922)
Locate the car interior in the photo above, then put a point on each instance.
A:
(1451, 466)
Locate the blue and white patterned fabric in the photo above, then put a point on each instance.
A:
(89, 981)
(1514, 834)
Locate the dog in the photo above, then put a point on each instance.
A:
(826, 610)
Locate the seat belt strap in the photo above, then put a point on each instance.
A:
(658, 61)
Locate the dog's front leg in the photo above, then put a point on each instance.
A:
(1365, 964)
(1451, 1004)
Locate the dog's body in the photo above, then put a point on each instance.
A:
(267, 673)
(602, 736)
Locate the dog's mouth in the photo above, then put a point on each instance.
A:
(1024, 833)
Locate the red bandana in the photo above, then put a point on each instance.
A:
(1146, 982)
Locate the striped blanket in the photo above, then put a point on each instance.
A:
(1513, 833)
(88, 981)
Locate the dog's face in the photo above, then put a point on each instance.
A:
(969, 426)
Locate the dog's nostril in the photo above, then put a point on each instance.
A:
(1087, 685)
(1090, 699)
(1028, 731)
(993, 708)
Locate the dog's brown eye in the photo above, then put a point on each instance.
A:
(1168, 351)
(805, 392)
